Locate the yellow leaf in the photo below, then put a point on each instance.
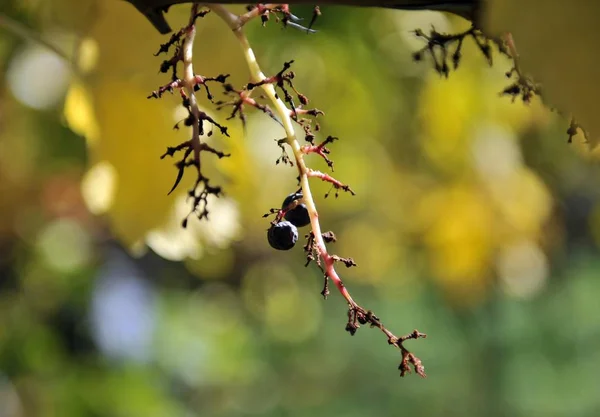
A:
(79, 113)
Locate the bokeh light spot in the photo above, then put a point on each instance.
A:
(38, 77)
(98, 187)
(65, 246)
(522, 269)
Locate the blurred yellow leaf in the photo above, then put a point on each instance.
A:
(79, 113)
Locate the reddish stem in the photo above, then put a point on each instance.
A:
(328, 178)
(331, 273)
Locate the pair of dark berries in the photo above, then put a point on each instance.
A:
(283, 235)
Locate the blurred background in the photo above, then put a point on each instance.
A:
(474, 221)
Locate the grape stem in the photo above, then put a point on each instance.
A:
(356, 312)
(235, 23)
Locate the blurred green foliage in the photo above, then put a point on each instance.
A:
(474, 221)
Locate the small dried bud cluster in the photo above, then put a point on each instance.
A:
(523, 86)
(573, 128)
(438, 47)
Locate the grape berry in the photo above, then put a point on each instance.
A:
(298, 215)
(282, 235)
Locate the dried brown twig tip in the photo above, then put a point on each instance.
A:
(523, 86)
(308, 112)
(306, 124)
(166, 88)
(439, 44)
(200, 200)
(175, 39)
(171, 63)
(188, 148)
(409, 358)
(329, 237)
(312, 250)
(316, 14)
(358, 316)
(573, 130)
(284, 157)
(348, 262)
(271, 212)
(337, 185)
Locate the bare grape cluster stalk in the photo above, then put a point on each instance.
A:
(277, 97)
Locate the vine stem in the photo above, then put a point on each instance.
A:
(236, 24)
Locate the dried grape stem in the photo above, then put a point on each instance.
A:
(356, 313)
(257, 77)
